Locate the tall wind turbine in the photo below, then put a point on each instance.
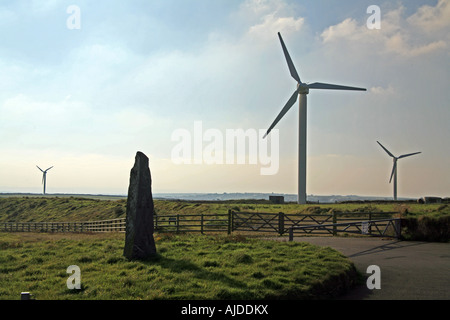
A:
(302, 90)
(44, 176)
(394, 167)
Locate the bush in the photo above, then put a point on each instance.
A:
(427, 228)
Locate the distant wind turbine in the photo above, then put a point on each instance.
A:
(394, 167)
(44, 176)
(302, 90)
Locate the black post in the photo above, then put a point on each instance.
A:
(281, 223)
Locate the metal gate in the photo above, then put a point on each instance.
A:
(376, 228)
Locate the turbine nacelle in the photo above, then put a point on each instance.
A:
(302, 88)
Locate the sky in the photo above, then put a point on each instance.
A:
(84, 85)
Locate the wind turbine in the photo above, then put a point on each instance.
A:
(44, 176)
(302, 90)
(394, 167)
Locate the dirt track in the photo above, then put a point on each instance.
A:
(410, 270)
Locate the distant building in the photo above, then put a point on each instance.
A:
(276, 199)
(428, 200)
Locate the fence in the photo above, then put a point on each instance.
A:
(280, 223)
(167, 223)
(193, 223)
(78, 226)
(379, 228)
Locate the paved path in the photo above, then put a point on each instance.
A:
(410, 270)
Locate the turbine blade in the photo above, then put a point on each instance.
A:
(319, 85)
(49, 168)
(409, 154)
(40, 169)
(386, 150)
(294, 73)
(394, 168)
(285, 109)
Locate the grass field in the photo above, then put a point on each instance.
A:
(186, 267)
(61, 209)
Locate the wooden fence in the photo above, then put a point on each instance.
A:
(279, 223)
(193, 223)
(77, 226)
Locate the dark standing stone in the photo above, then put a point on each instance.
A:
(139, 242)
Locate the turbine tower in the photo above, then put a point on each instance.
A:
(394, 167)
(302, 90)
(44, 176)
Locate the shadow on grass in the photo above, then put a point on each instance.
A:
(182, 265)
(76, 291)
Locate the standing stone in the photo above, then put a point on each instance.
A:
(139, 242)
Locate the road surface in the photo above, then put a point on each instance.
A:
(410, 270)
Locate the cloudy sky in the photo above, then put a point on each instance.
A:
(83, 90)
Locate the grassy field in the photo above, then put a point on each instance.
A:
(186, 267)
(61, 209)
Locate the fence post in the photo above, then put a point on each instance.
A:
(291, 234)
(201, 224)
(334, 222)
(398, 228)
(280, 223)
(178, 223)
(230, 221)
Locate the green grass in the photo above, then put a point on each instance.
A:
(62, 209)
(185, 267)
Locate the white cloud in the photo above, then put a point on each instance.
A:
(255, 9)
(382, 91)
(432, 19)
(344, 30)
(398, 43)
(398, 35)
(272, 24)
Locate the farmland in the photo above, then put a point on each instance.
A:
(187, 266)
(48, 208)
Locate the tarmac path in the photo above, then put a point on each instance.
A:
(410, 270)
